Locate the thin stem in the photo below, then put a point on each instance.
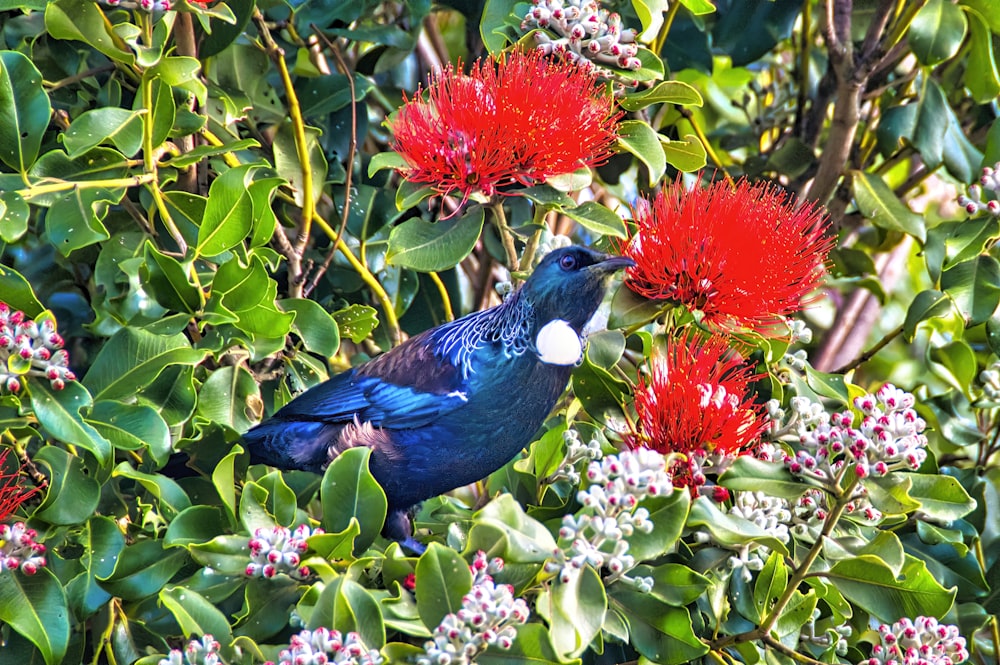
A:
(668, 22)
(506, 235)
(703, 139)
(791, 653)
(277, 54)
(870, 353)
(449, 315)
(64, 186)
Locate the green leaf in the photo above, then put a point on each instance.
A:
(197, 616)
(432, 246)
(120, 127)
(629, 309)
(73, 493)
(595, 217)
(75, 218)
(288, 162)
(942, 498)
(828, 385)
(385, 160)
(350, 491)
(575, 611)
(410, 193)
(228, 396)
(878, 203)
(687, 154)
(226, 555)
(668, 515)
(347, 606)
(975, 288)
(547, 195)
(143, 569)
(667, 92)
(673, 583)
(85, 22)
(638, 138)
(167, 280)
(927, 305)
(102, 541)
(25, 109)
(132, 360)
(169, 495)
(661, 633)
(58, 411)
(496, 15)
(356, 322)
(17, 292)
(228, 214)
(14, 214)
(314, 325)
(937, 32)
(770, 584)
(955, 363)
(443, 577)
(749, 474)
(132, 427)
(981, 75)
(728, 529)
(35, 607)
(871, 585)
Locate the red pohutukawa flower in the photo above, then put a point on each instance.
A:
(12, 493)
(520, 119)
(696, 400)
(744, 256)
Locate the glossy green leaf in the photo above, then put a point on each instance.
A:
(871, 585)
(75, 219)
(228, 214)
(942, 498)
(629, 309)
(73, 494)
(58, 411)
(641, 140)
(197, 616)
(937, 31)
(14, 214)
(169, 495)
(102, 541)
(132, 427)
(17, 292)
(225, 555)
(769, 585)
(356, 322)
(167, 280)
(313, 325)
(975, 288)
(347, 606)
(879, 204)
(35, 607)
(595, 217)
(119, 127)
(668, 515)
(132, 360)
(687, 154)
(749, 474)
(667, 92)
(673, 583)
(288, 162)
(85, 22)
(143, 569)
(432, 246)
(575, 611)
(228, 396)
(828, 385)
(981, 75)
(350, 491)
(955, 363)
(661, 633)
(728, 529)
(442, 577)
(25, 108)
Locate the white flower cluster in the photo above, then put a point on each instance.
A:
(889, 437)
(990, 378)
(598, 534)
(921, 641)
(31, 348)
(771, 514)
(203, 652)
(487, 618)
(18, 549)
(144, 5)
(576, 451)
(278, 550)
(835, 636)
(973, 203)
(322, 646)
(586, 33)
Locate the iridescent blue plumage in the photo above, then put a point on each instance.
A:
(450, 405)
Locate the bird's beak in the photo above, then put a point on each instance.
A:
(613, 264)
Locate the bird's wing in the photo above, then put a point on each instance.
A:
(404, 388)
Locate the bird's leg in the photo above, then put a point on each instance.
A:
(399, 527)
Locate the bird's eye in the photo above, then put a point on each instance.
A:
(567, 262)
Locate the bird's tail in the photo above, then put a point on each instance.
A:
(291, 444)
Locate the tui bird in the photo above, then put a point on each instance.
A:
(455, 403)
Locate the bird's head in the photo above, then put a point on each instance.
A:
(570, 283)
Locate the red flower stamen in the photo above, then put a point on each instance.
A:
(695, 400)
(744, 256)
(12, 493)
(520, 119)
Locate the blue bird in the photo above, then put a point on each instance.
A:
(453, 404)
